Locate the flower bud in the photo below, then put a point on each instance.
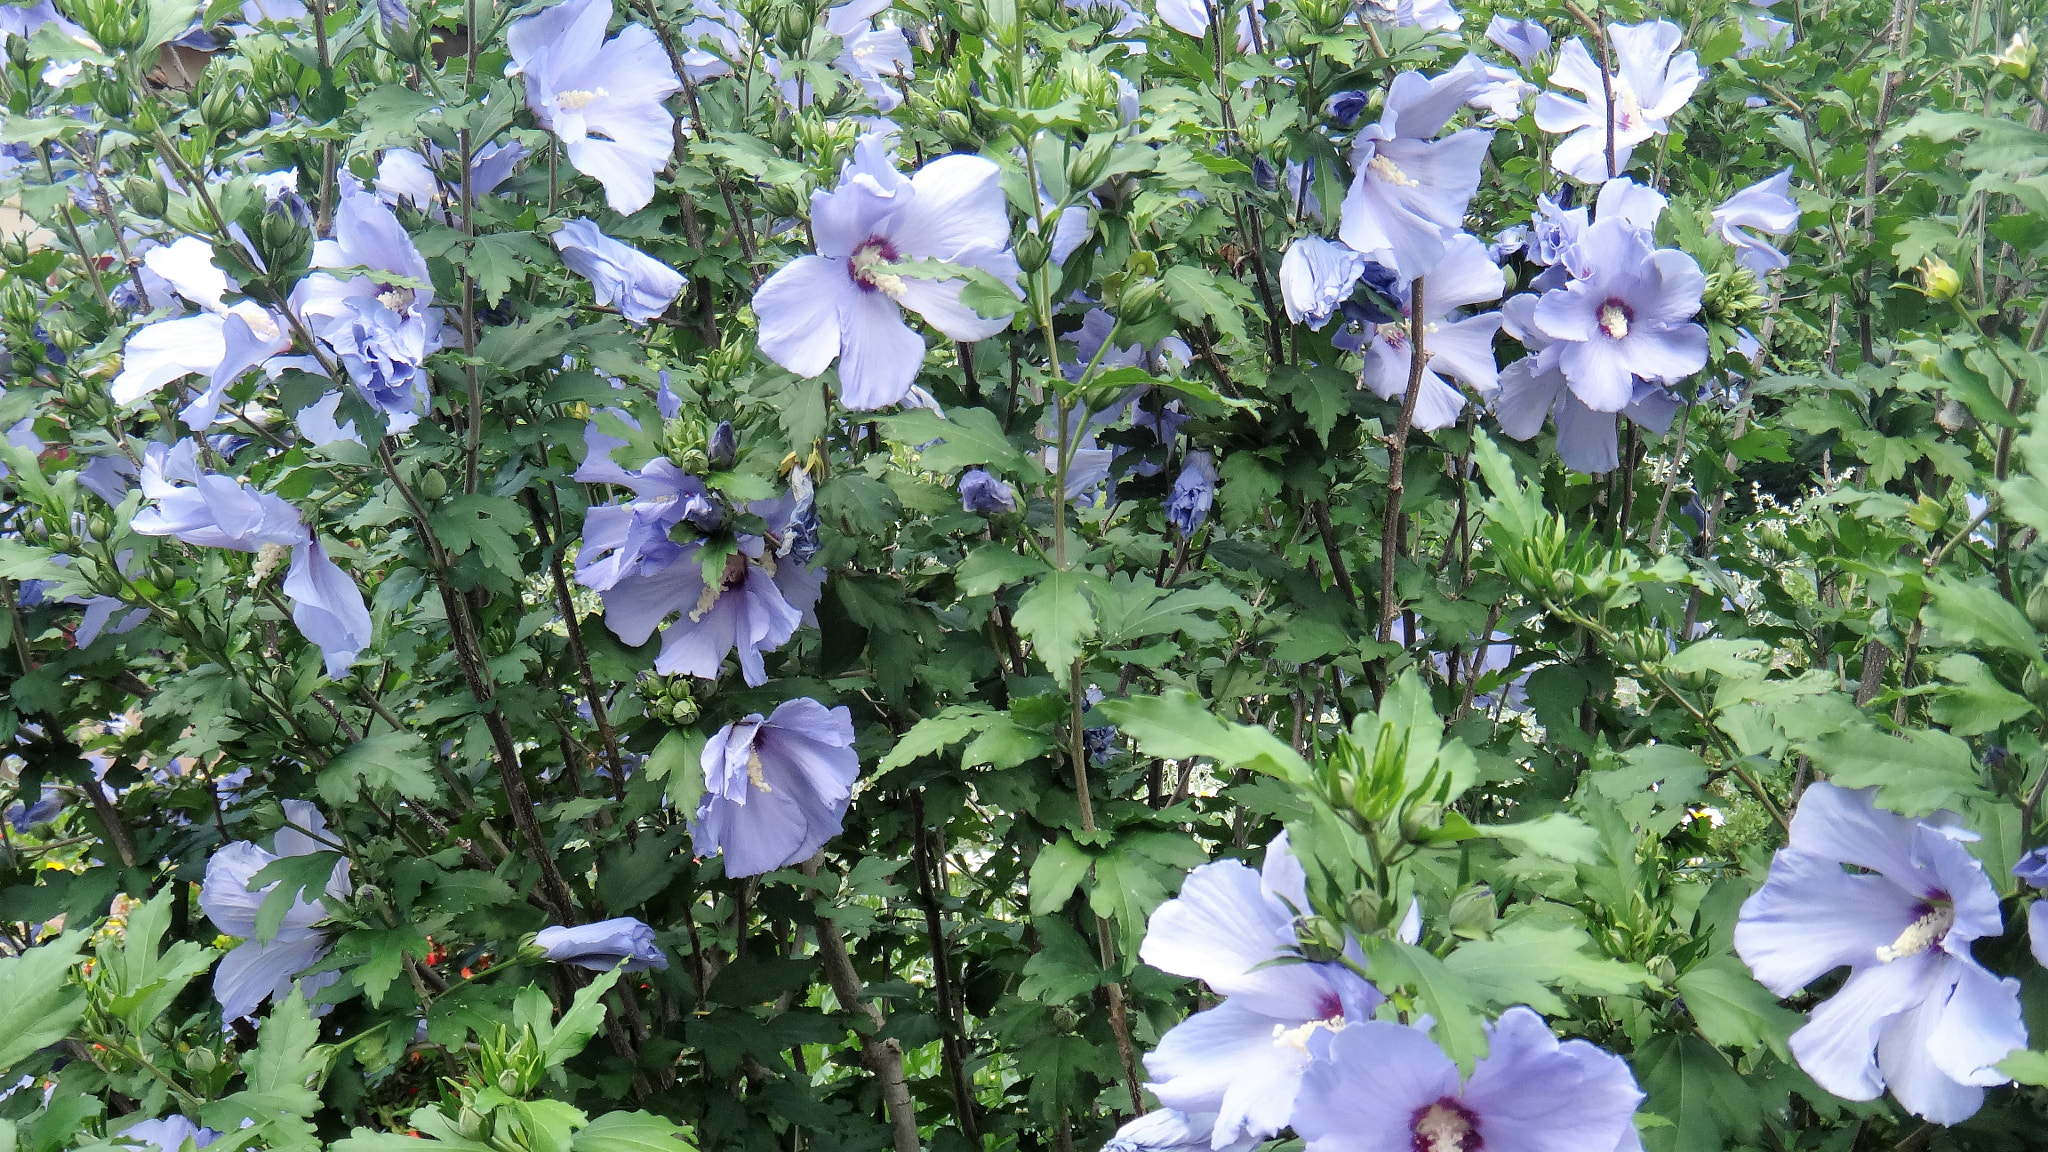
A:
(1664, 970)
(433, 484)
(722, 451)
(508, 1082)
(1031, 251)
(2018, 58)
(2037, 606)
(1938, 279)
(144, 196)
(1473, 914)
(684, 712)
(969, 18)
(1321, 941)
(200, 1061)
(957, 129)
(1364, 910)
(1141, 302)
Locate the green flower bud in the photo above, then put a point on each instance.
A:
(1321, 941)
(200, 1061)
(957, 129)
(1031, 251)
(145, 197)
(2037, 606)
(2018, 58)
(1938, 280)
(1364, 910)
(1473, 914)
(433, 484)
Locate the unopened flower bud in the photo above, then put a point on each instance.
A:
(1142, 301)
(1473, 914)
(2018, 58)
(956, 128)
(433, 484)
(1364, 910)
(2037, 606)
(145, 197)
(722, 451)
(1938, 279)
(200, 1061)
(684, 712)
(1320, 941)
(508, 1082)
(1031, 251)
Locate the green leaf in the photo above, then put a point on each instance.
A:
(1557, 836)
(1733, 1010)
(933, 733)
(1056, 615)
(1971, 615)
(288, 1065)
(1976, 702)
(485, 523)
(1913, 776)
(1655, 786)
(585, 1015)
(1524, 961)
(992, 567)
(1196, 294)
(2027, 1067)
(43, 1006)
(633, 1132)
(631, 874)
(499, 260)
(1179, 724)
(1058, 870)
(385, 763)
(1692, 1085)
(970, 436)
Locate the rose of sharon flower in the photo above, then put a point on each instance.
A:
(1461, 348)
(259, 969)
(1535, 386)
(1165, 1130)
(776, 789)
(1316, 276)
(981, 492)
(751, 605)
(1384, 1086)
(1918, 1014)
(601, 98)
(600, 946)
(222, 340)
(1630, 315)
(1767, 207)
(166, 1135)
(1244, 1058)
(1194, 492)
(1525, 40)
(1408, 190)
(2032, 870)
(380, 330)
(620, 540)
(209, 510)
(1649, 85)
(637, 284)
(846, 303)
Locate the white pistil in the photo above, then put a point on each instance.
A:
(754, 772)
(1297, 1037)
(867, 263)
(1921, 934)
(577, 99)
(1391, 172)
(268, 558)
(1614, 321)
